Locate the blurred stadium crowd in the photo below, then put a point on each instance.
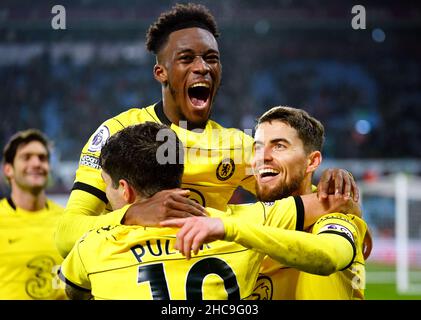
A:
(364, 85)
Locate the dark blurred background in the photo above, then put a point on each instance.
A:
(364, 85)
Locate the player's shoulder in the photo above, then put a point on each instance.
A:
(334, 216)
(338, 216)
(249, 211)
(54, 206)
(97, 236)
(237, 137)
(133, 116)
(359, 222)
(216, 125)
(112, 125)
(6, 205)
(3, 203)
(290, 202)
(340, 220)
(285, 208)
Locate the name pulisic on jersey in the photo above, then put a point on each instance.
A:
(157, 248)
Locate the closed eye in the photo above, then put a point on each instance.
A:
(212, 58)
(186, 58)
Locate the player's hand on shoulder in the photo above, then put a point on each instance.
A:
(338, 182)
(341, 204)
(166, 204)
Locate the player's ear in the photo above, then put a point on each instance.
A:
(8, 170)
(313, 161)
(128, 193)
(160, 73)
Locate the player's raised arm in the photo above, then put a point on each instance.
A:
(319, 254)
(87, 200)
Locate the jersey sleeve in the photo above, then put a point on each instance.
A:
(88, 175)
(320, 253)
(87, 199)
(72, 270)
(73, 224)
(348, 227)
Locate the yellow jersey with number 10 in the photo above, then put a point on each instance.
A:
(132, 262)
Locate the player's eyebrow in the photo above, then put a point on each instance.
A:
(30, 153)
(188, 50)
(273, 141)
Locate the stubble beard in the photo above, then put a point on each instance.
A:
(35, 190)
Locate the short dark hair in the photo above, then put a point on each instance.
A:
(310, 130)
(22, 138)
(131, 154)
(181, 16)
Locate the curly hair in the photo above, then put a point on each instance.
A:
(181, 16)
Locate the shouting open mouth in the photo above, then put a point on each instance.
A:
(199, 94)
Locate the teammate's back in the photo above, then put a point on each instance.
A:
(132, 262)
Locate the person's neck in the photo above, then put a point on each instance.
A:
(27, 200)
(305, 187)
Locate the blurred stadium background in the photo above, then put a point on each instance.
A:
(364, 85)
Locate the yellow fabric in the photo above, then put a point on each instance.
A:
(289, 283)
(211, 180)
(73, 224)
(270, 266)
(128, 262)
(28, 256)
(347, 284)
(321, 255)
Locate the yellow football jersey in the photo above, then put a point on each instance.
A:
(283, 283)
(216, 160)
(29, 259)
(131, 262)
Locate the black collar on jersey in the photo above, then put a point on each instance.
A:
(159, 110)
(12, 204)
